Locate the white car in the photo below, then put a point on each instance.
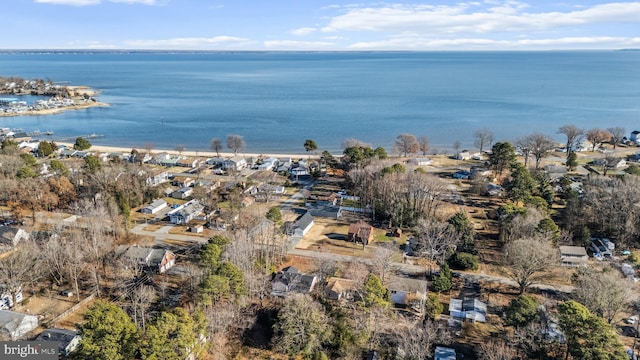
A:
(631, 320)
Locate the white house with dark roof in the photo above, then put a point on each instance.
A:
(236, 163)
(68, 340)
(302, 226)
(154, 260)
(186, 212)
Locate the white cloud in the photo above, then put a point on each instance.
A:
(70, 2)
(143, 2)
(304, 31)
(419, 43)
(474, 17)
(190, 43)
(293, 44)
(94, 2)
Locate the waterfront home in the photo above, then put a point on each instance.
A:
(420, 161)
(187, 162)
(635, 137)
(236, 163)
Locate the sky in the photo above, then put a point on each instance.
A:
(320, 25)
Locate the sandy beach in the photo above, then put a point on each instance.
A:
(208, 154)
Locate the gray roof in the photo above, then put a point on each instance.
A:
(573, 251)
(146, 256)
(62, 336)
(304, 220)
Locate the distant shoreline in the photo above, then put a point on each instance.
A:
(61, 98)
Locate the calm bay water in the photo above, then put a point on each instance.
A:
(277, 100)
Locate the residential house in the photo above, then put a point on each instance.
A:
(268, 164)
(12, 235)
(635, 137)
(462, 174)
(572, 256)
(16, 325)
(290, 280)
(324, 209)
(154, 207)
(68, 340)
(236, 163)
(301, 226)
(298, 170)
(153, 260)
(266, 192)
(444, 353)
(6, 298)
(420, 161)
(463, 155)
(360, 232)
(468, 309)
(182, 181)
(157, 177)
(215, 161)
(187, 162)
(340, 288)
(182, 193)
(406, 293)
(186, 212)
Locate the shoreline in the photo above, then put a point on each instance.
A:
(193, 153)
(55, 110)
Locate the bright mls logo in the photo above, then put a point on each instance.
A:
(33, 350)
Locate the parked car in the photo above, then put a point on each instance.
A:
(66, 293)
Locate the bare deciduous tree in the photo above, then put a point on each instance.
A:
(573, 133)
(141, 299)
(606, 293)
(216, 145)
(20, 268)
(496, 350)
(417, 339)
(433, 240)
(406, 144)
(597, 136)
(617, 133)
(540, 146)
(483, 137)
(423, 142)
(383, 260)
(235, 143)
(528, 258)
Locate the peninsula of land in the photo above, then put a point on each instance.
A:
(60, 97)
